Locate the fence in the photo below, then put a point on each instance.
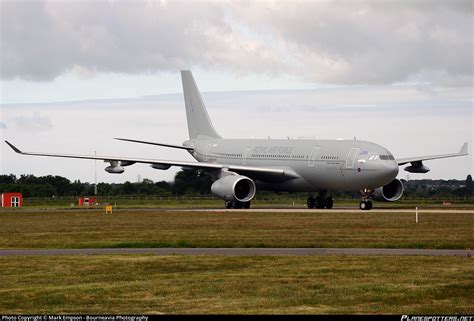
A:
(275, 197)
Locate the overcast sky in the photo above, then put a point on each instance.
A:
(76, 74)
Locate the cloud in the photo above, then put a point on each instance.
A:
(360, 42)
(34, 123)
(42, 40)
(3, 125)
(371, 42)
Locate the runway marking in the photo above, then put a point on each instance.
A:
(239, 251)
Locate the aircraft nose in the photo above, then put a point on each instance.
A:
(391, 170)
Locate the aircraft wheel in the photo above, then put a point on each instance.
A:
(369, 205)
(320, 202)
(329, 203)
(246, 205)
(310, 202)
(365, 205)
(237, 205)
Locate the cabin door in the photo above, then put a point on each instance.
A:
(351, 157)
(245, 155)
(312, 156)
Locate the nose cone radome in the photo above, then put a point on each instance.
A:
(390, 171)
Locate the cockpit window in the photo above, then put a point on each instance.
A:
(387, 157)
(382, 157)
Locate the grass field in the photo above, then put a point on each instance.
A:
(139, 284)
(219, 284)
(129, 228)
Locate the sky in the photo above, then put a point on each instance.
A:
(75, 74)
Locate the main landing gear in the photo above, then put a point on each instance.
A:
(320, 201)
(237, 204)
(365, 204)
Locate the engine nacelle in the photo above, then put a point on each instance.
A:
(391, 192)
(115, 169)
(234, 188)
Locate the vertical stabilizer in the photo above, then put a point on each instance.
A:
(199, 123)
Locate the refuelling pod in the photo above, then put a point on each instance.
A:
(391, 192)
(417, 167)
(116, 167)
(234, 188)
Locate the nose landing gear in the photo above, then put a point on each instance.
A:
(366, 204)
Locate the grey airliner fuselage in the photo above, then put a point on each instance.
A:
(348, 165)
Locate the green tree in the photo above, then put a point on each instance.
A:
(128, 188)
(192, 182)
(7, 179)
(469, 185)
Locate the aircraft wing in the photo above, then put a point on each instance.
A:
(250, 171)
(403, 161)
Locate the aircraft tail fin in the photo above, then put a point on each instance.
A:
(199, 123)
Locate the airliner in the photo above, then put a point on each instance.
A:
(240, 166)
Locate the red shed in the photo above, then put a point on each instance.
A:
(12, 200)
(87, 201)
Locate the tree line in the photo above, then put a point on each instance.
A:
(186, 182)
(195, 182)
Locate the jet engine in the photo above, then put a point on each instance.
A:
(234, 188)
(391, 192)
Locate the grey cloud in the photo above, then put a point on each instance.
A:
(373, 42)
(341, 42)
(33, 123)
(41, 40)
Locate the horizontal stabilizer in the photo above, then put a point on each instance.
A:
(156, 144)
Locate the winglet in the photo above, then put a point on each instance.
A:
(463, 149)
(14, 148)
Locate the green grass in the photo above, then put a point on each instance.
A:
(155, 228)
(137, 284)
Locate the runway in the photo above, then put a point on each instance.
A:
(334, 210)
(239, 252)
